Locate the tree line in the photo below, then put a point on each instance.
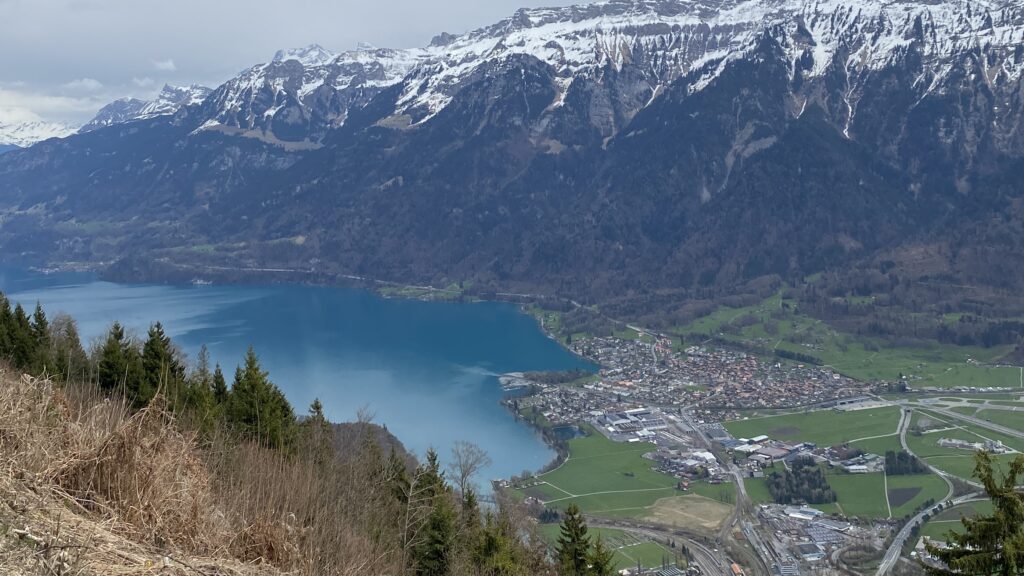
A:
(803, 482)
(903, 463)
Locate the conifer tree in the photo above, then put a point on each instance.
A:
(41, 361)
(573, 545)
(6, 327)
(990, 545)
(220, 386)
(257, 408)
(22, 339)
(601, 559)
(318, 438)
(113, 365)
(161, 370)
(435, 553)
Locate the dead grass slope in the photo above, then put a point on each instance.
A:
(86, 487)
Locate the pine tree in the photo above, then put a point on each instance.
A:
(23, 340)
(257, 408)
(317, 436)
(435, 553)
(602, 559)
(220, 386)
(41, 361)
(6, 327)
(989, 545)
(112, 364)
(573, 545)
(161, 370)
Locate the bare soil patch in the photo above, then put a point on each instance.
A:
(900, 496)
(691, 511)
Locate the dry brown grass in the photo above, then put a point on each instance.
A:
(88, 487)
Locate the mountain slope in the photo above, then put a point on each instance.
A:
(168, 101)
(628, 147)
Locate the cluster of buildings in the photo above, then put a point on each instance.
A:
(761, 452)
(713, 383)
(803, 538)
(689, 466)
(993, 446)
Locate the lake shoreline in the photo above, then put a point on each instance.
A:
(230, 315)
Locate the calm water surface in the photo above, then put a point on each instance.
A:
(427, 370)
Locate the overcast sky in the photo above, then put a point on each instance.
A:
(63, 59)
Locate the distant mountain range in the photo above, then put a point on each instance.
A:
(23, 134)
(168, 101)
(624, 148)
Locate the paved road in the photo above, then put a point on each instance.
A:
(892, 555)
(976, 421)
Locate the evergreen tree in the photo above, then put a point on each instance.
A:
(161, 370)
(113, 365)
(573, 546)
(318, 438)
(23, 341)
(602, 559)
(199, 400)
(41, 362)
(989, 545)
(257, 408)
(435, 553)
(6, 328)
(220, 386)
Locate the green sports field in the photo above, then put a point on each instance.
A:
(823, 427)
(630, 548)
(604, 477)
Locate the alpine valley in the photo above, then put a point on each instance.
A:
(618, 152)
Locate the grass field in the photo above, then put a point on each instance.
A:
(630, 548)
(757, 490)
(949, 520)
(771, 325)
(865, 495)
(954, 461)
(823, 427)
(1009, 418)
(907, 493)
(879, 445)
(860, 495)
(604, 477)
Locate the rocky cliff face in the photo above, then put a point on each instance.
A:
(597, 149)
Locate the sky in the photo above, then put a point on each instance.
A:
(61, 60)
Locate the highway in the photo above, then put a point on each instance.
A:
(892, 555)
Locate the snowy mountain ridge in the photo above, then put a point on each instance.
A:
(666, 39)
(24, 134)
(168, 101)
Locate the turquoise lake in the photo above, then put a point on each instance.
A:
(427, 370)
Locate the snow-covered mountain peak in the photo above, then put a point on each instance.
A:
(24, 134)
(312, 55)
(168, 101)
(660, 40)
